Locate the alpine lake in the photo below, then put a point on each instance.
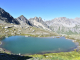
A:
(37, 45)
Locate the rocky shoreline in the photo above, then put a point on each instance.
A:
(73, 49)
(0, 43)
(76, 43)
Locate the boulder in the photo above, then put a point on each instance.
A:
(33, 30)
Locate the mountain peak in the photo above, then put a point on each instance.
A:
(38, 22)
(23, 20)
(6, 17)
(36, 17)
(21, 16)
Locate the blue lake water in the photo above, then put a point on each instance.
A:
(34, 45)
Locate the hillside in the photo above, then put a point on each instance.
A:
(38, 22)
(22, 26)
(6, 17)
(63, 25)
(23, 21)
(36, 27)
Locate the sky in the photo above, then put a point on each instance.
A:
(46, 9)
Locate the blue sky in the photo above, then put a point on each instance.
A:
(47, 9)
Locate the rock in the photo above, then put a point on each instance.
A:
(11, 23)
(27, 27)
(14, 29)
(23, 21)
(39, 23)
(6, 17)
(0, 43)
(26, 36)
(51, 56)
(33, 30)
(12, 33)
(38, 36)
(73, 40)
(2, 27)
(19, 30)
(6, 36)
(53, 37)
(46, 56)
(15, 25)
(1, 49)
(20, 26)
(18, 33)
(6, 27)
(19, 53)
(6, 31)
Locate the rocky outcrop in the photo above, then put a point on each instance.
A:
(38, 22)
(64, 25)
(6, 17)
(23, 21)
(66, 22)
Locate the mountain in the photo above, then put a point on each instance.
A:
(61, 25)
(64, 25)
(38, 22)
(23, 21)
(6, 17)
(27, 27)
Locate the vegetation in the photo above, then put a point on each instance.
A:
(29, 31)
(73, 55)
(74, 37)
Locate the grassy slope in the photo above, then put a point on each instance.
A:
(24, 31)
(51, 56)
(58, 56)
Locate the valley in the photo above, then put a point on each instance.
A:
(36, 27)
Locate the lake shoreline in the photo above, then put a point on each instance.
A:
(0, 43)
(77, 44)
(52, 52)
(7, 51)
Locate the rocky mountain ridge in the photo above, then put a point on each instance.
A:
(38, 22)
(66, 22)
(61, 25)
(64, 25)
(23, 21)
(6, 17)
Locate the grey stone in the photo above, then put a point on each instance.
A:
(63, 25)
(39, 20)
(23, 21)
(6, 17)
